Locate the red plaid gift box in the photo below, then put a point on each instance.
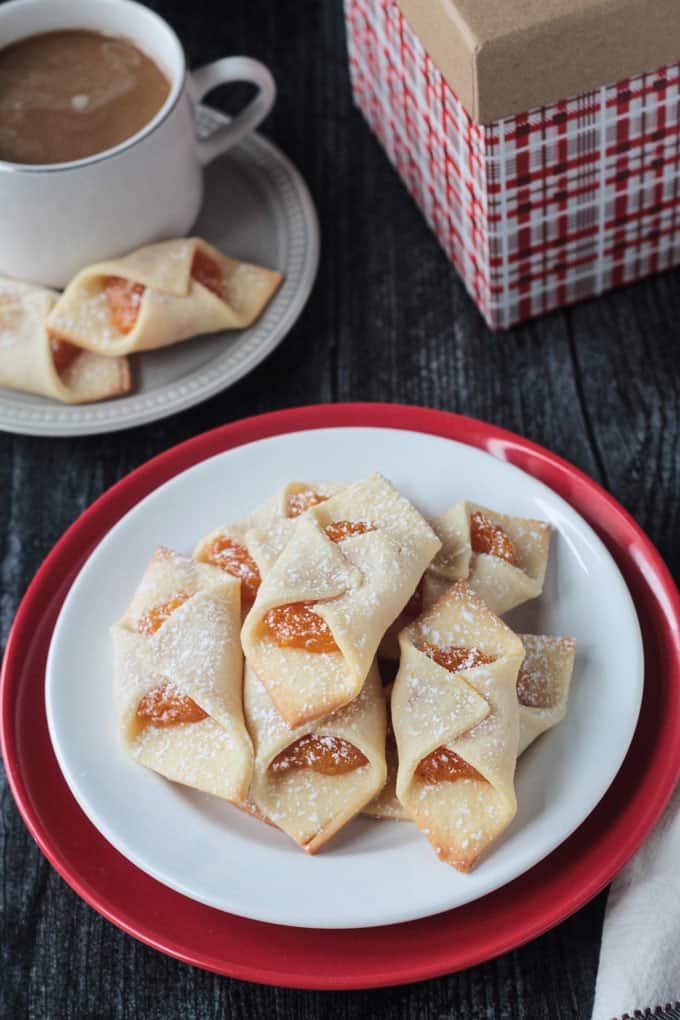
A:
(539, 209)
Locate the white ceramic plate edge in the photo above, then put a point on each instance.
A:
(317, 919)
(50, 418)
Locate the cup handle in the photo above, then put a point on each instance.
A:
(229, 69)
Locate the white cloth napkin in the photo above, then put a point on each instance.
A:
(640, 953)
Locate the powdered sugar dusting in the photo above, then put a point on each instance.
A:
(194, 653)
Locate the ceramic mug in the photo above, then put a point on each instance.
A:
(57, 218)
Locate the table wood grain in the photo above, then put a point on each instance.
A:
(388, 320)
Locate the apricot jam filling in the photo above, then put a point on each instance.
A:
(207, 272)
(337, 531)
(63, 353)
(156, 616)
(234, 559)
(124, 297)
(298, 626)
(445, 766)
(331, 756)
(487, 537)
(298, 502)
(166, 706)
(456, 657)
(532, 691)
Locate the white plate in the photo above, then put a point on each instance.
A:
(374, 872)
(256, 207)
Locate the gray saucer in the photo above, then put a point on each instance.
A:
(257, 207)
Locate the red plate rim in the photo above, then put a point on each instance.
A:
(371, 957)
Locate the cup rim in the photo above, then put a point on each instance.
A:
(176, 90)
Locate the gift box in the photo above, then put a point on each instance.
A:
(540, 138)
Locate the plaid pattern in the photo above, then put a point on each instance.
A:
(538, 210)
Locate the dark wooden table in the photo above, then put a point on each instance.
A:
(388, 320)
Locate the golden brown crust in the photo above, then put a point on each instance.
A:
(307, 805)
(501, 584)
(472, 712)
(193, 648)
(358, 587)
(173, 305)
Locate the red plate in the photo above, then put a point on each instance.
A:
(369, 957)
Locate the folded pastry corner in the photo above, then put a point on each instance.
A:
(349, 567)
(543, 684)
(35, 361)
(455, 716)
(248, 548)
(178, 677)
(502, 557)
(310, 781)
(158, 295)
(271, 526)
(542, 690)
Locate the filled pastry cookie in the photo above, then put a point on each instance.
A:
(350, 566)
(178, 677)
(323, 588)
(311, 780)
(33, 360)
(455, 716)
(503, 558)
(248, 548)
(271, 526)
(543, 684)
(158, 295)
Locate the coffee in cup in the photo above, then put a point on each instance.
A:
(70, 94)
(60, 215)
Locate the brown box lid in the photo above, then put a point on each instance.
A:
(503, 57)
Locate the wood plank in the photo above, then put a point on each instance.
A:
(388, 320)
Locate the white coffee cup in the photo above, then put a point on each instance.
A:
(56, 218)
